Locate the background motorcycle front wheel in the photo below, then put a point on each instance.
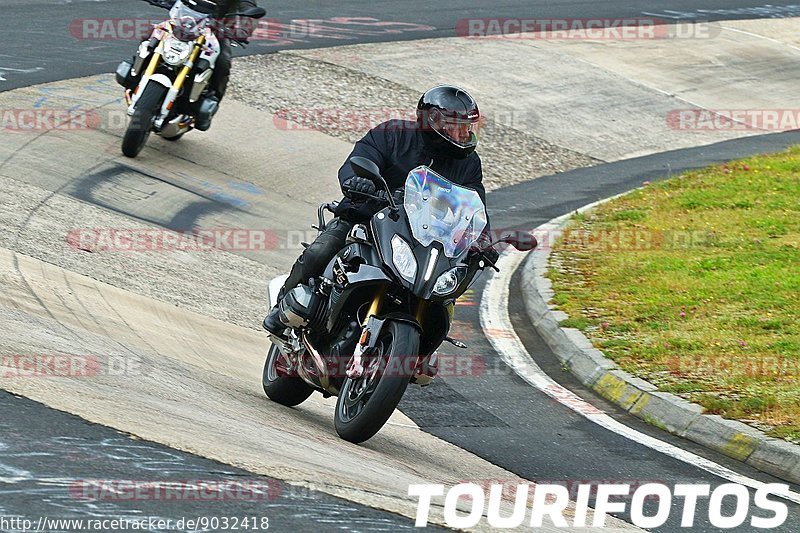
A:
(365, 404)
(142, 119)
(279, 383)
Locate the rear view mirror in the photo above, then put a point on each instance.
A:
(365, 168)
(254, 12)
(524, 241)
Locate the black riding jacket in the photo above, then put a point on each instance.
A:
(398, 148)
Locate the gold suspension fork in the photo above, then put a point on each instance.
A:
(377, 302)
(356, 368)
(181, 79)
(152, 66)
(422, 306)
(172, 95)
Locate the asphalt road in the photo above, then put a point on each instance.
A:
(56, 466)
(49, 40)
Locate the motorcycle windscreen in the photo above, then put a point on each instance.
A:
(439, 210)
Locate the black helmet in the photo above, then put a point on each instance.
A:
(449, 120)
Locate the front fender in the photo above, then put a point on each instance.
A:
(375, 325)
(162, 79)
(402, 317)
(157, 78)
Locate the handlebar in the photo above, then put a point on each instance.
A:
(397, 194)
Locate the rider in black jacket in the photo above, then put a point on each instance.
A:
(443, 137)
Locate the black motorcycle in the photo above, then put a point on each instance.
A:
(371, 324)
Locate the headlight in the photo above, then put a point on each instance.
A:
(448, 282)
(176, 51)
(403, 258)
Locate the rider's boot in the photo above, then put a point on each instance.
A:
(274, 324)
(206, 111)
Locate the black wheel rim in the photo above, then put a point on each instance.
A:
(356, 393)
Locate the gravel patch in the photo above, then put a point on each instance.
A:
(305, 93)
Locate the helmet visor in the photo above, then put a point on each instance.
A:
(459, 131)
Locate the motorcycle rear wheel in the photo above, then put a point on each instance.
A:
(279, 385)
(365, 404)
(142, 119)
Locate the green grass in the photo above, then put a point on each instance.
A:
(694, 284)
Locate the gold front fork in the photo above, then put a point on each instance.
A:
(151, 67)
(421, 308)
(181, 79)
(375, 308)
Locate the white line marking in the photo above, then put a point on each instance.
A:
(751, 34)
(497, 328)
(23, 70)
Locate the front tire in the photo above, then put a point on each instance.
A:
(279, 385)
(142, 120)
(365, 404)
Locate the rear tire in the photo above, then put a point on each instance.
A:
(142, 120)
(364, 406)
(279, 385)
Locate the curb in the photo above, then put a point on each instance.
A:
(640, 398)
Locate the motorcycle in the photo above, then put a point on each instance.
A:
(371, 324)
(167, 80)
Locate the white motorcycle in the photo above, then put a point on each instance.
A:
(166, 82)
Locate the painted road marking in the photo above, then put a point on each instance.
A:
(3, 70)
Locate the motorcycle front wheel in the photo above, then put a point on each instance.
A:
(279, 383)
(142, 119)
(365, 404)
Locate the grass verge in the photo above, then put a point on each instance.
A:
(694, 285)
